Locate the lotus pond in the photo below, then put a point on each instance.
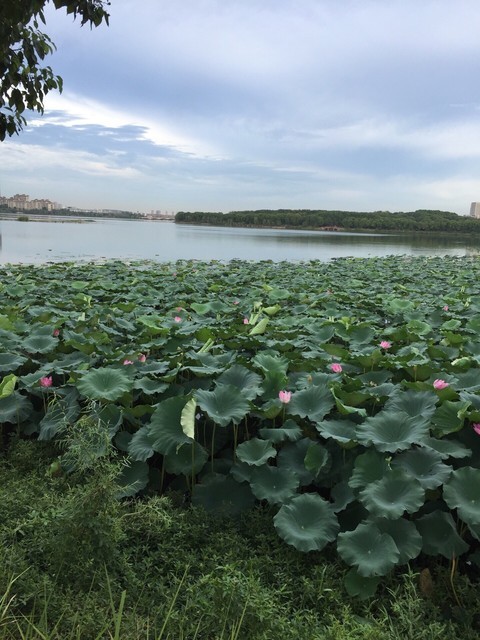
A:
(343, 396)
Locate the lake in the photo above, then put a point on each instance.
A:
(37, 242)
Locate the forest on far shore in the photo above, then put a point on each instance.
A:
(420, 220)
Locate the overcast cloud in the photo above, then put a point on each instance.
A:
(239, 104)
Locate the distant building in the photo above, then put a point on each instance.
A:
(22, 201)
(475, 209)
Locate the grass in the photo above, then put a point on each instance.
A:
(75, 563)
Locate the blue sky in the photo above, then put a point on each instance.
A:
(237, 104)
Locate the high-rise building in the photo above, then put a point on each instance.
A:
(475, 209)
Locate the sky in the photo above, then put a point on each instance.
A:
(220, 105)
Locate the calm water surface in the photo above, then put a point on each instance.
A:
(37, 242)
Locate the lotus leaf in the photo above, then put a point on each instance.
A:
(223, 495)
(104, 384)
(370, 551)
(15, 408)
(255, 451)
(360, 586)
(273, 484)
(247, 381)
(290, 431)
(307, 522)
(313, 403)
(440, 536)
(425, 465)
(462, 492)
(132, 479)
(393, 494)
(165, 429)
(224, 404)
(11, 362)
(392, 431)
(343, 431)
(292, 457)
(369, 467)
(188, 460)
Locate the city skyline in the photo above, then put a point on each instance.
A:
(221, 106)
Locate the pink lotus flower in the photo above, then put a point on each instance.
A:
(246, 321)
(125, 362)
(236, 301)
(284, 396)
(56, 332)
(440, 384)
(177, 319)
(445, 307)
(476, 427)
(46, 381)
(385, 344)
(142, 357)
(336, 367)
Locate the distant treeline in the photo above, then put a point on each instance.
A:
(71, 213)
(420, 220)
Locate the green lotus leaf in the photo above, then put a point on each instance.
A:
(7, 386)
(155, 367)
(462, 492)
(419, 328)
(59, 416)
(223, 495)
(405, 535)
(369, 467)
(189, 460)
(425, 465)
(149, 386)
(475, 530)
(255, 451)
(259, 328)
(342, 495)
(440, 536)
(449, 417)
(361, 334)
(343, 431)
(448, 448)
(307, 522)
(317, 459)
(271, 362)
(241, 471)
(104, 384)
(273, 484)
(359, 586)
(313, 403)
(292, 457)
(165, 429)
(247, 381)
(39, 344)
(414, 403)
(10, 362)
(289, 431)
(399, 305)
(273, 382)
(187, 418)
(132, 479)
(392, 495)
(224, 404)
(140, 445)
(370, 551)
(392, 431)
(346, 409)
(15, 408)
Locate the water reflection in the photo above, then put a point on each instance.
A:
(36, 242)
